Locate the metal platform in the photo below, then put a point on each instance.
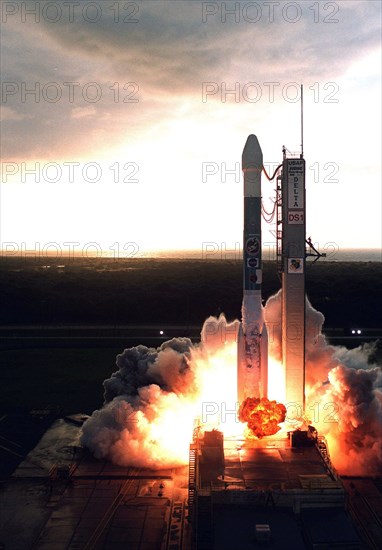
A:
(271, 468)
(273, 493)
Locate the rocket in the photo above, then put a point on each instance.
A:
(252, 338)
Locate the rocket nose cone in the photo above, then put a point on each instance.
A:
(252, 154)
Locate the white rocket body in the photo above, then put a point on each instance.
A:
(252, 368)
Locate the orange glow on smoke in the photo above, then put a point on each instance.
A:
(196, 387)
(159, 434)
(262, 415)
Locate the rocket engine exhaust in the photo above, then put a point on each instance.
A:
(252, 338)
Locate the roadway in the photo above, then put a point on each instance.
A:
(12, 336)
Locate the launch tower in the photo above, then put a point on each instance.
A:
(291, 242)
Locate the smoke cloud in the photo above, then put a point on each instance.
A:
(343, 393)
(344, 401)
(151, 401)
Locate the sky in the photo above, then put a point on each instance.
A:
(123, 123)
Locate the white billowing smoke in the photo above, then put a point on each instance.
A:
(152, 399)
(148, 385)
(355, 411)
(343, 393)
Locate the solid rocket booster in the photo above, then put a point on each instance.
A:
(252, 368)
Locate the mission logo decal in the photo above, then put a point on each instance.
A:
(252, 262)
(252, 246)
(295, 265)
(257, 277)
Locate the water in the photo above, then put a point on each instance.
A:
(358, 255)
(269, 254)
(342, 255)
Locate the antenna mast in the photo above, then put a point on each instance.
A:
(302, 122)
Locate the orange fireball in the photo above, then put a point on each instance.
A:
(262, 415)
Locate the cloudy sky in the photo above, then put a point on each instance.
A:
(124, 122)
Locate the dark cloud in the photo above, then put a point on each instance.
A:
(169, 52)
(170, 48)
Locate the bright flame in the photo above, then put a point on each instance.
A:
(276, 380)
(216, 403)
(262, 416)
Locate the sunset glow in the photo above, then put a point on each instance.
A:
(133, 128)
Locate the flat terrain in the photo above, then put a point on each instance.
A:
(155, 291)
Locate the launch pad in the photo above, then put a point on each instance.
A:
(240, 495)
(275, 491)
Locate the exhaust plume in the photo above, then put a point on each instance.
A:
(151, 401)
